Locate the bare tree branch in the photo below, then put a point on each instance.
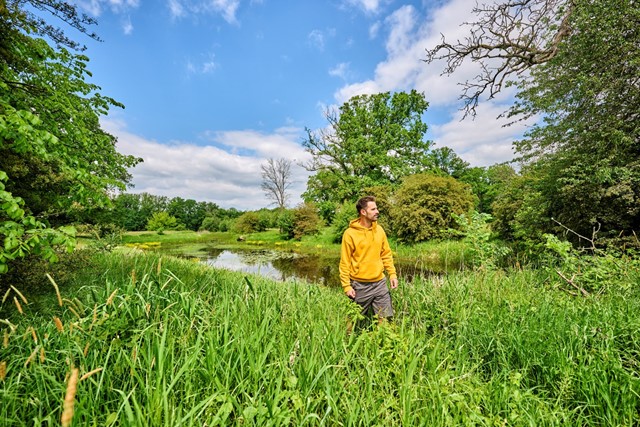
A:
(507, 39)
(276, 180)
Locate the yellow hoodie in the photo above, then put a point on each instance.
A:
(365, 255)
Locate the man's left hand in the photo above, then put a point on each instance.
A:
(393, 282)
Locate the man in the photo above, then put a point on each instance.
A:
(364, 257)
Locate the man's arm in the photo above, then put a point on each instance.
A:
(346, 252)
(387, 262)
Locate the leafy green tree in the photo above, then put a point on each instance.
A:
(575, 64)
(587, 150)
(55, 157)
(188, 212)
(425, 205)
(372, 140)
(446, 160)
(487, 183)
(161, 221)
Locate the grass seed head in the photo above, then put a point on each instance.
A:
(69, 399)
(58, 323)
(3, 370)
(86, 350)
(6, 295)
(42, 357)
(19, 294)
(88, 374)
(5, 341)
(31, 331)
(15, 300)
(55, 285)
(111, 297)
(31, 357)
(75, 312)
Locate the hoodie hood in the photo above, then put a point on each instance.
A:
(355, 224)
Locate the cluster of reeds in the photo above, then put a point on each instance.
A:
(169, 342)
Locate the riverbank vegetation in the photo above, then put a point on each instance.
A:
(161, 341)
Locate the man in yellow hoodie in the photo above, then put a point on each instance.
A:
(364, 258)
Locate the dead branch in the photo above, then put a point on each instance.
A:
(507, 39)
(570, 281)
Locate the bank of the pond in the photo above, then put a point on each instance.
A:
(433, 256)
(163, 341)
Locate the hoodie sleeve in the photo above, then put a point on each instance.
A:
(346, 252)
(387, 257)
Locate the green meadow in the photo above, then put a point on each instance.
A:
(159, 341)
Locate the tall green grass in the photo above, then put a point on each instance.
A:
(180, 344)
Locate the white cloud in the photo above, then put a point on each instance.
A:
(227, 173)
(410, 31)
(127, 26)
(374, 29)
(204, 66)
(176, 9)
(316, 38)
(368, 6)
(341, 70)
(483, 141)
(95, 7)
(226, 8)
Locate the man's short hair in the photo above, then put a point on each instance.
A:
(363, 202)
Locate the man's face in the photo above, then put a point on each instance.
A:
(370, 212)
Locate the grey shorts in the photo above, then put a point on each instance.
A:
(373, 295)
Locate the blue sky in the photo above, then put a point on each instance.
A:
(212, 88)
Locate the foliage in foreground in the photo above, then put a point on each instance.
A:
(168, 342)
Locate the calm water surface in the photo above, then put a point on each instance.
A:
(284, 266)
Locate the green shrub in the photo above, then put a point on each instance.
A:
(344, 215)
(424, 205)
(250, 222)
(306, 221)
(301, 221)
(160, 221)
(484, 251)
(286, 223)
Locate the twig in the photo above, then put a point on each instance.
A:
(592, 241)
(570, 281)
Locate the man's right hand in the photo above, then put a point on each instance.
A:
(351, 293)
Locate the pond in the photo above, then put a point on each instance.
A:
(285, 265)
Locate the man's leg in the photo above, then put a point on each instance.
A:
(381, 303)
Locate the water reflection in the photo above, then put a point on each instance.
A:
(280, 265)
(277, 265)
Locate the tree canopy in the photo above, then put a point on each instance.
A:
(576, 66)
(373, 140)
(55, 156)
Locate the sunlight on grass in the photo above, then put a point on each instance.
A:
(161, 341)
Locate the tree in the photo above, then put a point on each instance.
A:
(276, 180)
(424, 205)
(575, 64)
(55, 157)
(373, 140)
(161, 221)
(447, 161)
(188, 212)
